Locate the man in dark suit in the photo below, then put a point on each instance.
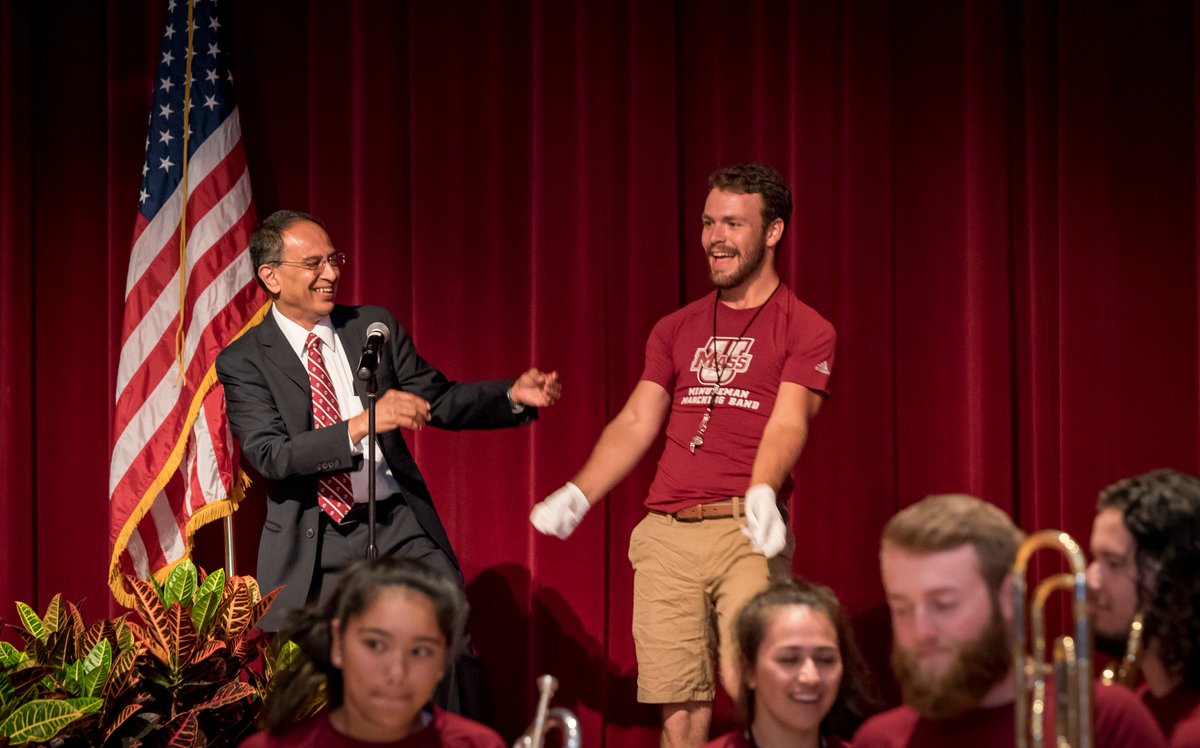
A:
(301, 451)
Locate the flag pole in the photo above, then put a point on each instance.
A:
(188, 472)
(180, 348)
(230, 554)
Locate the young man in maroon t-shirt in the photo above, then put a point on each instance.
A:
(1146, 552)
(736, 377)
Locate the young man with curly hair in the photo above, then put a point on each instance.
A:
(1146, 549)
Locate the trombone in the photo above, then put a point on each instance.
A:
(1072, 655)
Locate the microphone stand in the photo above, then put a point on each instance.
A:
(377, 335)
(372, 387)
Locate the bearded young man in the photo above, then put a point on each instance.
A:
(946, 563)
(736, 376)
(1146, 559)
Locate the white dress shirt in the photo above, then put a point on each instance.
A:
(349, 405)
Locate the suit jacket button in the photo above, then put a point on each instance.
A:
(309, 533)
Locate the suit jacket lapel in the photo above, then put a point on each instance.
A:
(352, 333)
(280, 353)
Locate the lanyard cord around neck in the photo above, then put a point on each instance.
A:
(698, 439)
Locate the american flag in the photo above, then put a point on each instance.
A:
(174, 462)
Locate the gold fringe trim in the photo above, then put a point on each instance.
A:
(207, 513)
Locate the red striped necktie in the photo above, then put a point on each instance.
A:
(334, 492)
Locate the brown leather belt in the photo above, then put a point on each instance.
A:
(732, 508)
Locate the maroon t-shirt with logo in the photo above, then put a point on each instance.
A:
(787, 342)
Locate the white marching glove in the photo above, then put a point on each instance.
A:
(764, 524)
(560, 512)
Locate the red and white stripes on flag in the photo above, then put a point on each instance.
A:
(189, 291)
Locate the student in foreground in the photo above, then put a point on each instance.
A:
(804, 683)
(947, 570)
(378, 646)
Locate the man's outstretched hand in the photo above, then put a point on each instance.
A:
(536, 388)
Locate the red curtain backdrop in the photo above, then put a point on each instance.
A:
(996, 205)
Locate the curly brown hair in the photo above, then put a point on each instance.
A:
(757, 179)
(1162, 512)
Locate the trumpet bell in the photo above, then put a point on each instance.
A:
(547, 719)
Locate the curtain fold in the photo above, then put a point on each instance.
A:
(996, 205)
(18, 546)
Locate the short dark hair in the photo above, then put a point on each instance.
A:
(311, 629)
(856, 699)
(266, 243)
(1161, 510)
(757, 179)
(947, 521)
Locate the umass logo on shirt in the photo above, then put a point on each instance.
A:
(728, 356)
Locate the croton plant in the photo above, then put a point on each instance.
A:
(177, 672)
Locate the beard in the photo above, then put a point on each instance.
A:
(751, 261)
(1112, 645)
(978, 666)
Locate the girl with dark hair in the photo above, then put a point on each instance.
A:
(804, 683)
(377, 649)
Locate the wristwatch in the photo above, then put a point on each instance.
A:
(517, 408)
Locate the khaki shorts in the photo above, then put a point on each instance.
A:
(687, 574)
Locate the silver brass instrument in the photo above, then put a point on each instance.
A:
(1125, 670)
(1072, 655)
(550, 719)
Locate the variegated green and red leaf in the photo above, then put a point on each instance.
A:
(75, 624)
(101, 629)
(7, 692)
(237, 609)
(181, 584)
(263, 604)
(123, 674)
(10, 655)
(39, 720)
(208, 649)
(229, 693)
(252, 584)
(30, 620)
(27, 676)
(121, 718)
(184, 731)
(157, 633)
(96, 668)
(128, 633)
(55, 613)
(181, 637)
(60, 648)
(208, 600)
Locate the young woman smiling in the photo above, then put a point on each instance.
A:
(803, 681)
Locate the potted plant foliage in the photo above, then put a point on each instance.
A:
(180, 675)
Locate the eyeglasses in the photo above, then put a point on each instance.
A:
(317, 264)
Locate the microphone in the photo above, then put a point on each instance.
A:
(377, 335)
